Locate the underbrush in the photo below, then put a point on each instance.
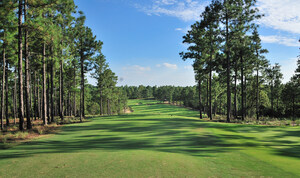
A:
(262, 121)
(11, 135)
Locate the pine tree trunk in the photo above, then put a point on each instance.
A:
(38, 111)
(68, 104)
(242, 85)
(101, 103)
(108, 110)
(272, 100)
(74, 91)
(55, 101)
(80, 107)
(293, 104)
(228, 67)
(257, 94)
(200, 103)
(41, 101)
(210, 98)
(210, 77)
(51, 90)
(6, 96)
(15, 97)
(48, 94)
(30, 94)
(3, 89)
(13, 104)
(44, 104)
(82, 87)
(207, 96)
(235, 91)
(27, 82)
(245, 96)
(61, 91)
(20, 64)
(34, 96)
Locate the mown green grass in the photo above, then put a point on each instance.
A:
(157, 140)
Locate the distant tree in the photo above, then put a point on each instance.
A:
(100, 66)
(274, 77)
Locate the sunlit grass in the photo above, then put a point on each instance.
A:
(157, 140)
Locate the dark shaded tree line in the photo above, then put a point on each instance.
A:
(46, 51)
(286, 99)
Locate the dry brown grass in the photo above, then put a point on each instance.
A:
(12, 135)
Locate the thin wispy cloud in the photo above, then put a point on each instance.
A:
(170, 66)
(136, 68)
(183, 30)
(186, 10)
(293, 42)
(280, 14)
(188, 67)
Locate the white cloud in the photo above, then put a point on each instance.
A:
(188, 67)
(166, 2)
(183, 30)
(186, 10)
(280, 40)
(170, 66)
(288, 68)
(280, 14)
(136, 68)
(158, 65)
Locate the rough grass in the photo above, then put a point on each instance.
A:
(157, 140)
(11, 136)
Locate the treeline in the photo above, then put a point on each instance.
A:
(285, 104)
(46, 51)
(225, 43)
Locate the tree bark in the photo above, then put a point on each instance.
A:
(51, 90)
(48, 93)
(44, 104)
(61, 91)
(210, 97)
(82, 114)
(101, 103)
(20, 70)
(15, 97)
(210, 76)
(74, 91)
(38, 111)
(108, 107)
(207, 95)
(200, 103)
(257, 93)
(3, 89)
(228, 67)
(235, 90)
(6, 95)
(34, 96)
(245, 96)
(27, 82)
(242, 85)
(272, 105)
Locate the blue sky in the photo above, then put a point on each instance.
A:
(143, 38)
